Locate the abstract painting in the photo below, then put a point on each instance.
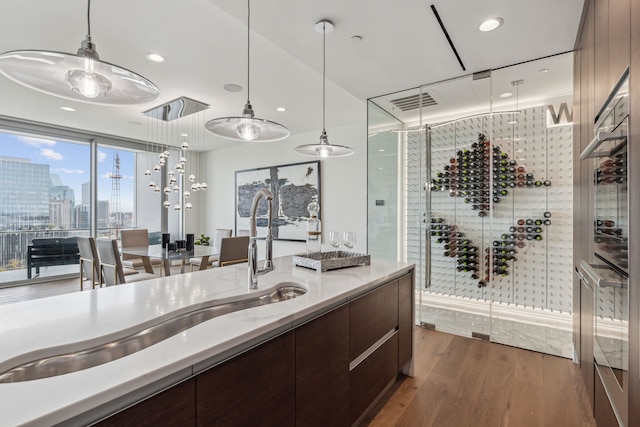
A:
(293, 187)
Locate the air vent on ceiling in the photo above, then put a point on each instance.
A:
(414, 102)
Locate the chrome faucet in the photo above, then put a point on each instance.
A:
(254, 271)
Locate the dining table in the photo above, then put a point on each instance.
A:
(168, 256)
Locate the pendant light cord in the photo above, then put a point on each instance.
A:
(89, 18)
(324, 66)
(248, 49)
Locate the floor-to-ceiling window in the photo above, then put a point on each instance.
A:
(61, 183)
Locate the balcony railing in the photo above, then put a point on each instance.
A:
(14, 246)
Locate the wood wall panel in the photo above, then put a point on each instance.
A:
(601, 52)
(619, 39)
(633, 151)
(587, 113)
(577, 195)
(609, 40)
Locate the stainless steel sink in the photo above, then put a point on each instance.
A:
(107, 352)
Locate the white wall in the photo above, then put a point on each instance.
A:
(343, 183)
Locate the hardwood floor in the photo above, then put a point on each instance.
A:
(462, 382)
(13, 294)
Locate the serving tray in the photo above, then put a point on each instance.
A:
(324, 261)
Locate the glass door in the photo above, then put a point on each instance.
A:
(457, 291)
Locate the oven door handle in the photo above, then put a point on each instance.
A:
(600, 137)
(596, 278)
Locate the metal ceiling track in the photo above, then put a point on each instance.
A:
(446, 34)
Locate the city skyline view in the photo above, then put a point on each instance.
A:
(70, 161)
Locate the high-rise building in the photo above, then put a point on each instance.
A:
(24, 194)
(61, 214)
(82, 217)
(103, 213)
(86, 193)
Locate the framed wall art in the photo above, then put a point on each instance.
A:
(293, 186)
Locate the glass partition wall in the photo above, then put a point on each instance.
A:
(486, 202)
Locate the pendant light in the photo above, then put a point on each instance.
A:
(80, 77)
(247, 127)
(324, 149)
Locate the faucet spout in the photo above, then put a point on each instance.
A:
(254, 271)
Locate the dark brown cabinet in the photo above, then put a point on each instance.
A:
(329, 371)
(608, 41)
(405, 320)
(322, 370)
(256, 385)
(372, 316)
(586, 341)
(172, 407)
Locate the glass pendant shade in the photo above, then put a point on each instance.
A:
(324, 149)
(81, 77)
(247, 127)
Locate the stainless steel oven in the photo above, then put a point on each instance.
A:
(609, 149)
(608, 269)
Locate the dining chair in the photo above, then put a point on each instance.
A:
(111, 270)
(89, 262)
(137, 238)
(233, 250)
(220, 234)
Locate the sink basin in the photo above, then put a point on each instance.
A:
(107, 352)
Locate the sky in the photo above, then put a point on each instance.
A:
(71, 162)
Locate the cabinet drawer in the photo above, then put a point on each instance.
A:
(370, 378)
(371, 317)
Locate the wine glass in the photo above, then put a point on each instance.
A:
(334, 239)
(349, 239)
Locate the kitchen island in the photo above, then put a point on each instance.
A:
(350, 332)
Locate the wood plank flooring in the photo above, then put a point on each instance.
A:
(462, 382)
(13, 294)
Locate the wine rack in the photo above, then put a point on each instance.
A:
(507, 188)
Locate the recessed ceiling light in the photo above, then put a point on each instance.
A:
(67, 109)
(543, 70)
(490, 24)
(505, 95)
(231, 87)
(381, 150)
(281, 109)
(132, 123)
(356, 39)
(154, 57)
(184, 134)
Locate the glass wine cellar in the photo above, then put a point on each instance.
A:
(471, 179)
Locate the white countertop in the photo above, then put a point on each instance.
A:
(65, 323)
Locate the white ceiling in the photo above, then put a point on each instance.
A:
(204, 43)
